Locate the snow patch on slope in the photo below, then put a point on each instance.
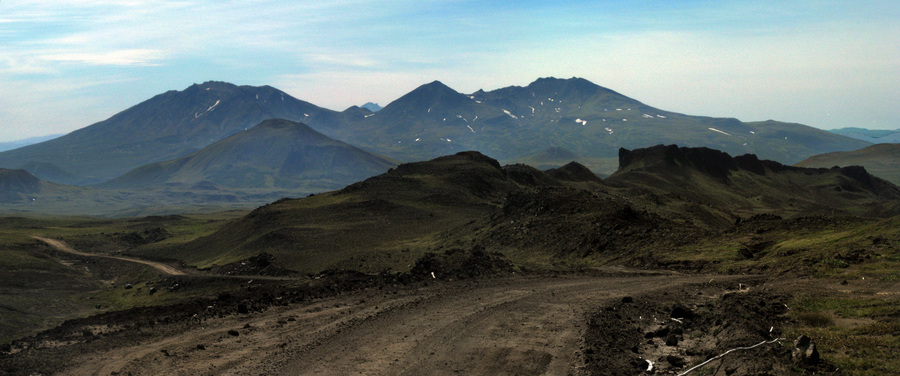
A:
(214, 105)
(716, 130)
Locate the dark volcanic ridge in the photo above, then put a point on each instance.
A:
(662, 198)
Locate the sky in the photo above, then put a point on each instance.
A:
(66, 64)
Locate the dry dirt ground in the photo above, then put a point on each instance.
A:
(513, 325)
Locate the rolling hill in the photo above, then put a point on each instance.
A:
(882, 160)
(167, 126)
(277, 154)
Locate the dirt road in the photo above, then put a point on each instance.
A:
(514, 325)
(63, 247)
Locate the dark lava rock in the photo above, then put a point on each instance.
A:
(675, 361)
(805, 351)
(233, 332)
(661, 332)
(627, 299)
(681, 312)
(672, 340)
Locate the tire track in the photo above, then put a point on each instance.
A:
(63, 247)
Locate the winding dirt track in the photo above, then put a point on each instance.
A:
(515, 325)
(63, 247)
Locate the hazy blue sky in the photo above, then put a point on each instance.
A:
(65, 64)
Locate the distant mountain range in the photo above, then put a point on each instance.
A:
(10, 145)
(512, 124)
(875, 136)
(203, 138)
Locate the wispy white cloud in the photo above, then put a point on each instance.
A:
(725, 59)
(131, 57)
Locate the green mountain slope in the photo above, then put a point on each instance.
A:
(882, 160)
(661, 198)
(167, 126)
(274, 154)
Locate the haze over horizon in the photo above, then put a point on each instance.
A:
(827, 64)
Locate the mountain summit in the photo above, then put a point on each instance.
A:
(167, 126)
